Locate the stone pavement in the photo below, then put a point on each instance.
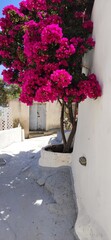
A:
(36, 203)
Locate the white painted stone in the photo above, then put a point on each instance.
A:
(54, 159)
(93, 140)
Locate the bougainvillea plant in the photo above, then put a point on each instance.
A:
(42, 44)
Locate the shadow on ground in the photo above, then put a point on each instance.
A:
(35, 202)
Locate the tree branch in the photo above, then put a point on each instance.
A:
(62, 125)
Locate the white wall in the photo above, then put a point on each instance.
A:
(10, 136)
(93, 140)
(53, 113)
(20, 112)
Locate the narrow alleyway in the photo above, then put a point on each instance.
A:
(36, 203)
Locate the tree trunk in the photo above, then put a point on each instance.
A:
(68, 145)
(62, 124)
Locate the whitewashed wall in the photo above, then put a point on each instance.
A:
(20, 112)
(93, 140)
(10, 136)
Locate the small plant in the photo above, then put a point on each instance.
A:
(16, 122)
(42, 44)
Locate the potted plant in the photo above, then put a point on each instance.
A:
(42, 44)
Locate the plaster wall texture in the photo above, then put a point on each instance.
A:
(53, 111)
(20, 111)
(10, 136)
(54, 159)
(93, 140)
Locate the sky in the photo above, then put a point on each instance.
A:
(4, 3)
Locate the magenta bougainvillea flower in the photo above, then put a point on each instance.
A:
(51, 34)
(42, 44)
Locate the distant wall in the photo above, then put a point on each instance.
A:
(53, 113)
(10, 136)
(20, 111)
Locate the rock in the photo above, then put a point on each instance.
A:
(41, 181)
(2, 162)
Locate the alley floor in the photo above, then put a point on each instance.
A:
(36, 203)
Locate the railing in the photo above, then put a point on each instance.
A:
(6, 120)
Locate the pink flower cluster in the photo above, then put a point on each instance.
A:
(39, 5)
(61, 78)
(46, 93)
(76, 41)
(8, 76)
(51, 34)
(65, 50)
(85, 88)
(79, 14)
(43, 52)
(90, 42)
(11, 8)
(88, 25)
(5, 54)
(90, 88)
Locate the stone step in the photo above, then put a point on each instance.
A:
(33, 134)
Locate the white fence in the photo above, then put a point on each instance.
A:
(6, 120)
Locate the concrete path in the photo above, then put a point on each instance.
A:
(35, 203)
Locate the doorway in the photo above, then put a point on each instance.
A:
(37, 117)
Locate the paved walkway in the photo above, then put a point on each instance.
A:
(35, 203)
